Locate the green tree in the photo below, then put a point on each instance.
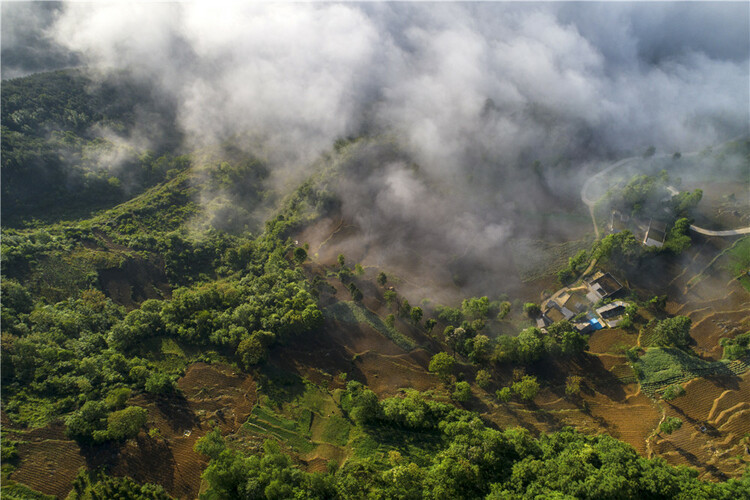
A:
(461, 392)
(678, 240)
(442, 364)
(416, 314)
(531, 345)
(390, 297)
(341, 260)
(355, 292)
(382, 278)
(365, 406)
(300, 254)
(450, 315)
(475, 307)
(429, 325)
(673, 332)
(670, 424)
(673, 391)
(390, 320)
(251, 351)
(126, 423)
(532, 310)
(685, 202)
(506, 349)
(404, 309)
(159, 383)
(455, 338)
(573, 343)
(504, 310)
(573, 385)
(526, 388)
(117, 398)
(504, 394)
(88, 423)
(483, 378)
(479, 350)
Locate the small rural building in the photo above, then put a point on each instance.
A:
(655, 234)
(612, 312)
(554, 314)
(583, 326)
(612, 309)
(601, 286)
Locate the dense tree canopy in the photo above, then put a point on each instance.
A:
(472, 461)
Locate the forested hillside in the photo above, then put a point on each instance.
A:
(162, 311)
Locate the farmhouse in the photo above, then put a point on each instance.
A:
(601, 286)
(612, 312)
(655, 234)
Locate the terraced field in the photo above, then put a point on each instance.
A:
(715, 434)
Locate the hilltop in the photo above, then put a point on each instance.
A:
(176, 323)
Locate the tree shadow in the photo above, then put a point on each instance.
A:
(601, 379)
(700, 425)
(177, 410)
(697, 463)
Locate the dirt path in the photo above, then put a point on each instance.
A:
(589, 198)
(709, 232)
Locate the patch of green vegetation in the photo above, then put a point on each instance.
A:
(415, 447)
(303, 415)
(12, 490)
(315, 400)
(738, 257)
(735, 260)
(32, 411)
(97, 484)
(659, 368)
(284, 429)
(335, 430)
(173, 356)
(737, 347)
(351, 312)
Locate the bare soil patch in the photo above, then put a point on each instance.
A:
(213, 395)
(613, 341)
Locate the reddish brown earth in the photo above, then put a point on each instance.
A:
(716, 423)
(213, 395)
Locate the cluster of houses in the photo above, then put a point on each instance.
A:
(578, 305)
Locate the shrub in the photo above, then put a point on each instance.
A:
(670, 425)
(504, 394)
(382, 279)
(461, 392)
(526, 388)
(483, 379)
(442, 364)
(573, 385)
(125, 424)
(532, 310)
(504, 310)
(160, 383)
(300, 254)
(673, 391)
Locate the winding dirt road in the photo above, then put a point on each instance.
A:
(589, 198)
